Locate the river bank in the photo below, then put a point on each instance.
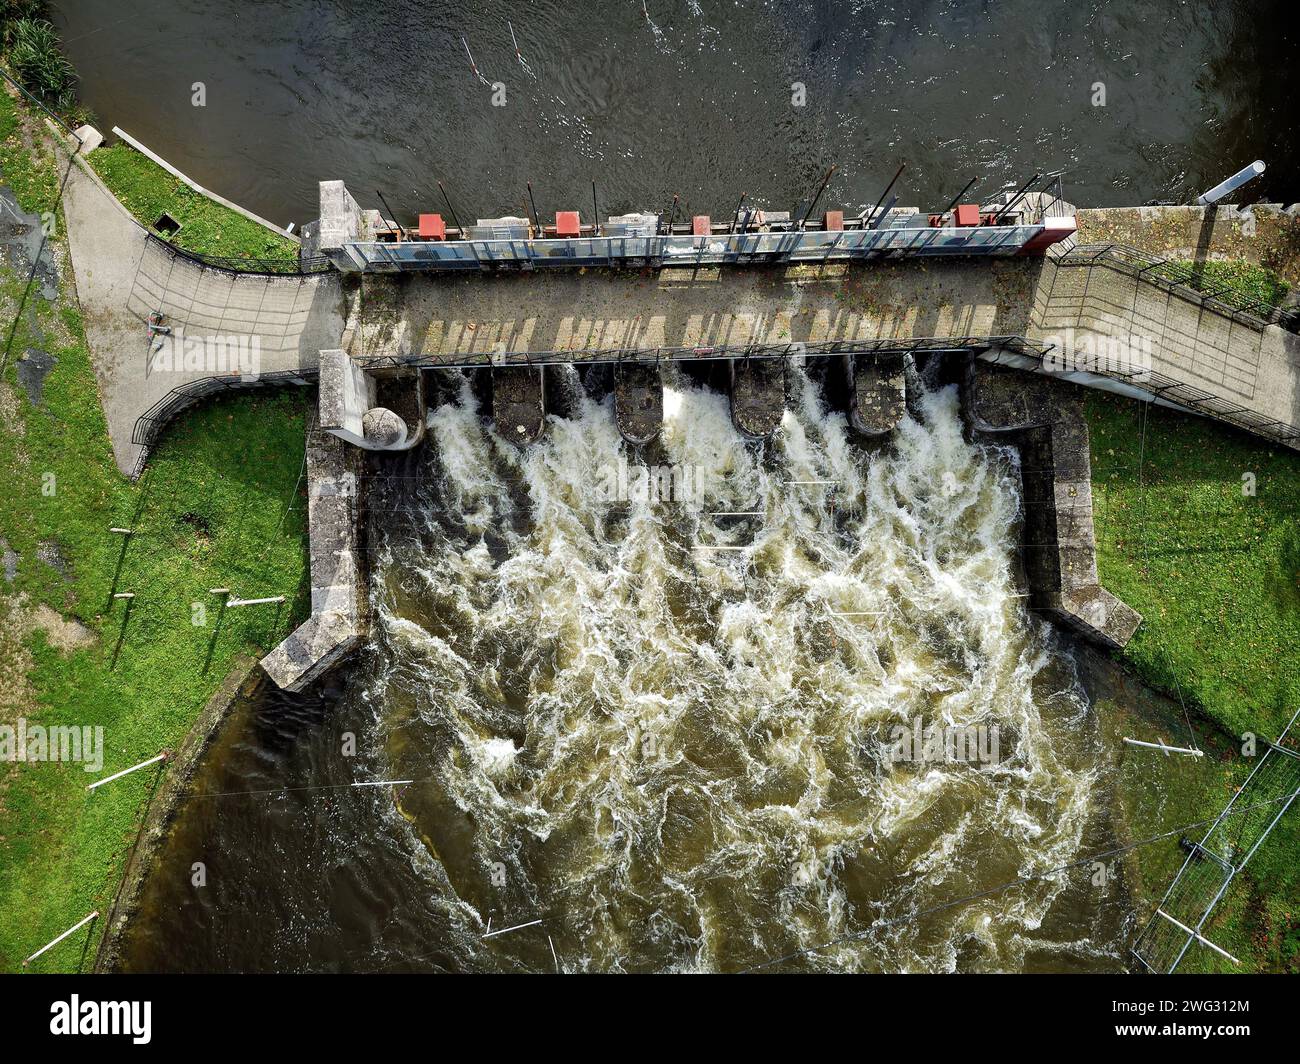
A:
(215, 507)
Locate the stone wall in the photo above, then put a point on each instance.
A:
(1045, 419)
(339, 606)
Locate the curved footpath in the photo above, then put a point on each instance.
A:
(222, 323)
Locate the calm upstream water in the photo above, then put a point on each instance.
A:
(698, 100)
(675, 757)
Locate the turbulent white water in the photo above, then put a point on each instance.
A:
(679, 758)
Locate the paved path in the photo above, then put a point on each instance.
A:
(122, 277)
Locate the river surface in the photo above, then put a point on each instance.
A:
(658, 753)
(698, 100)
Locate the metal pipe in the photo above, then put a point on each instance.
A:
(595, 212)
(736, 218)
(957, 198)
(897, 174)
(391, 215)
(537, 218)
(128, 771)
(1016, 198)
(1167, 749)
(447, 200)
(825, 181)
(49, 945)
(1246, 173)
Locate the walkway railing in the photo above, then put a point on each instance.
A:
(286, 267)
(1183, 913)
(891, 345)
(1185, 281)
(150, 424)
(798, 246)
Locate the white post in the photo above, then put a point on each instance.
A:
(50, 945)
(128, 771)
(493, 934)
(1246, 173)
(1167, 749)
(125, 595)
(122, 531)
(1199, 938)
(253, 602)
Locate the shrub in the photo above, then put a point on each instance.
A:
(38, 63)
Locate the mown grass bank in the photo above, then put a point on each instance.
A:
(212, 509)
(147, 190)
(1215, 572)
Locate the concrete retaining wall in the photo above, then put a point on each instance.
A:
(1060, 552)
(339, 601)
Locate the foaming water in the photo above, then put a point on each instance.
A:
(677, 754)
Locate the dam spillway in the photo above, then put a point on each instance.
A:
(685, 759)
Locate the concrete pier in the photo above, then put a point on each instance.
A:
(519, 403)
(639, 401)
(878, 392)
(757, 395)
(339, 606)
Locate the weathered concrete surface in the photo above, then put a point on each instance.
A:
(468, 318)
(345, 392)
(1089, 309)
(519, 403)
(639, 401)
(122, 278)
(877, 386)
(339, 608)
(1060, 552)
(757, 395)
(1265, 233)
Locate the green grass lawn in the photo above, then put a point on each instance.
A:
(147, 190)
(1248, 278)
(212, 509)
(1215, 573)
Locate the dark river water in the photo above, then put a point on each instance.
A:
(698, 100)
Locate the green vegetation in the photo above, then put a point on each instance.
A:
(1215, 572)
(1247, 278)
(37, 62)
(212, 509)
(147, 190)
